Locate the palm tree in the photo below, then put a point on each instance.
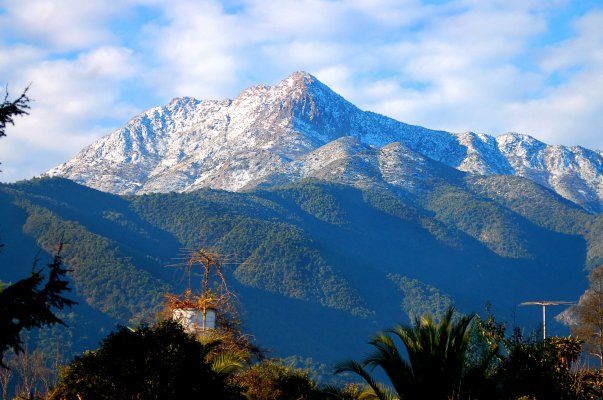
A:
(229, 352)
(435, 359)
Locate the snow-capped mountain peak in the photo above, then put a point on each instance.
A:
(297, 128)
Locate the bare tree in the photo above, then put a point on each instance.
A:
(6, 377)
(587, 315)
(33, 376)
(22, 366)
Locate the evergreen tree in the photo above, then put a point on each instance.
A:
(10, 109)
(26, 305)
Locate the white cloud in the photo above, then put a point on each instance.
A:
(393, 14)
(202, 49)
(339, 78)
(562, 118)
(457, 70)
(85, 86)
(569, 111)
(289, 20)
(192, 53)
(14, 58)
(583, 50)
(62, 25)
(74, 103)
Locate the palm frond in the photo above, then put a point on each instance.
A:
(387, 356)
(380, 391)
(435, 360)
(227, 363)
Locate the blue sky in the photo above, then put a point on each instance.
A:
(529, 66)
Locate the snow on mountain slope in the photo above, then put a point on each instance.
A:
(574, 172)
(301, 128)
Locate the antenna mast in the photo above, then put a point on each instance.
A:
(198, 311)
(544, 304)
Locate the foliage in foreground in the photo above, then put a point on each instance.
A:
(587, 316)
(505, 367)
(26, 305)
(458, 359)
(271, 380)
(164, 362)
(436, 359)
(453, 358)
(160, 362)
(12, 108)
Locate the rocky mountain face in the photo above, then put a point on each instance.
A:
(299, 129)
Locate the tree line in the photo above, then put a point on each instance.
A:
(450, 356)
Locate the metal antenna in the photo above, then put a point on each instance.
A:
(544, 304)
(199, 309)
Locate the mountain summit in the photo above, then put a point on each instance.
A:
(300, 128)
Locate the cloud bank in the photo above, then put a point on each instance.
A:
(531, 66)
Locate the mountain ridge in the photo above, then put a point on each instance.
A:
(269, 132)
(315, 260)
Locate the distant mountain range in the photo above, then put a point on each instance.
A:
(300, 129)
(344, 222)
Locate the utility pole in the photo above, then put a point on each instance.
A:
(544, 304)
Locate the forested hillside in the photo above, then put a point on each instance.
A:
(319, 266)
